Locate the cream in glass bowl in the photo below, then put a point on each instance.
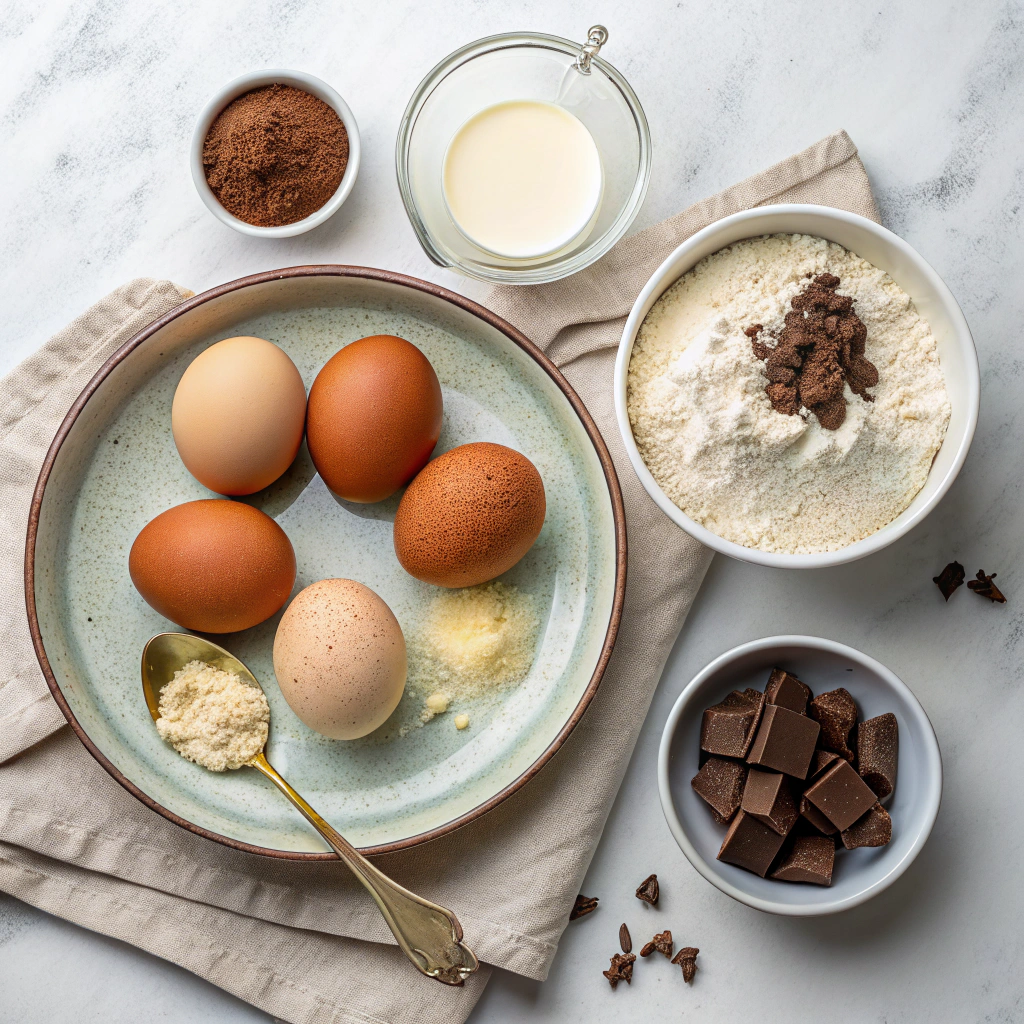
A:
(523, 158)
(523, 180)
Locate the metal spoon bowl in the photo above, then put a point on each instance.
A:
(429, 935)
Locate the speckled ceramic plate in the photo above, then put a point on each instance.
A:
(113, 467)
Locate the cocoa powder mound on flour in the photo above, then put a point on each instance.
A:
(820, 350)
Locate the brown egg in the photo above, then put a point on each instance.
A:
(470, 515)
(373, 418)
(238, 415)
(215, 566)
(339, 657)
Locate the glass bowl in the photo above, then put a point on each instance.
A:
(523, 66)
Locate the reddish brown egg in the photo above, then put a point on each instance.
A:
(373, 417)
(470, 515)
(215, 566)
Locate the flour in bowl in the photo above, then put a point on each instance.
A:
(716, 359)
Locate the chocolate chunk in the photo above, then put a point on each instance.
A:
(874, 829)
(728, 727)
(841, 795)
(836, 713)
(661, 943)
(620, 969)
(878, 753)
(584, 905)
(736, 699)
(749, 844)
(785, 690)
(810, 860)
(785, 741)
(648, 890)
(822, 759)
(949, 579)
(625, 940)
(816, 818)
(768, 797)
(687, 959)
(720, 783)
(984, 587)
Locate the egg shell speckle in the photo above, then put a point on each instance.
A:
(340, 659)
(238, 415)
(374, 417)
(214, 565)
(469, 515)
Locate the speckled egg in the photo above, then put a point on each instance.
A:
(470, 515)
(238, 415)
(339, 657)
(374, 417)
(215, 566)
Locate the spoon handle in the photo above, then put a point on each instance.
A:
(430, 936)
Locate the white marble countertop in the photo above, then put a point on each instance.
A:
(98, 100)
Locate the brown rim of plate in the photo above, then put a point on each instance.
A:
(372, 274)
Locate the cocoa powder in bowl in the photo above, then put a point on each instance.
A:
(275, 155)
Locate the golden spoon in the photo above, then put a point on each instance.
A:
(430, 936)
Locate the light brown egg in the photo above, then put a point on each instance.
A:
(470, 515)
(238, 415)
(374, 417)
(339, 657)
(215, 566)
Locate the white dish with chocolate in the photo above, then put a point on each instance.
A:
(796, 387)
(804, 792)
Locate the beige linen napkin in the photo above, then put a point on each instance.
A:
(302, 941)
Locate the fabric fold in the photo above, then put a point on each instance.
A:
(295, 976)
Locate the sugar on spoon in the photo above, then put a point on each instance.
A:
(429, 935)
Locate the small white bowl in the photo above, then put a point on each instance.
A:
(912, 273)
(244, 84)
(823, 665)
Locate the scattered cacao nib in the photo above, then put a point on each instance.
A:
(625, 940)
(620, 969)
(648, 890)
(583, 906)
(661, 943)
(687, 959)
(949, 579)
(984, 587)
(818, 352)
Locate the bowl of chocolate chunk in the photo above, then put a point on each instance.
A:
(275, 153)
(799, 776)
(796, 387)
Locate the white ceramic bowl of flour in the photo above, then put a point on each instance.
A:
(933, 300)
